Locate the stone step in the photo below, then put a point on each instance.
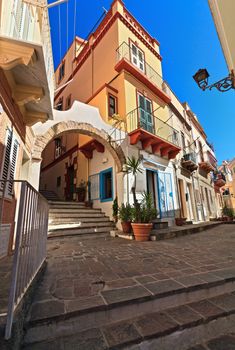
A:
(74, 210)
(174, 315)
(75, 220)
(177, 231)
(58, 202)
(82, 214)
(80, 231)
(49, 195)
(80, 225)
(160, 225)
(68, 206)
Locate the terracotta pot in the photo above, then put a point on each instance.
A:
(180, 221)
(141, 231)
(126, 226)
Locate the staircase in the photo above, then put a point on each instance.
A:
(74, 218)
(49, 195)
(161, 315)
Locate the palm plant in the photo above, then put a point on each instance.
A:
(133, 166)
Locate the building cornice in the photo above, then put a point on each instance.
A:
(103, 28)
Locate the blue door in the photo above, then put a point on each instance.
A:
(166, 200)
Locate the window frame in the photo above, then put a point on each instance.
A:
(101, 184)
(61, 103)
(62, 65)
(116, 104)
(132, 43)
(68, 99)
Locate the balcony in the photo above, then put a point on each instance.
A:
(189, 161)
(219, 179)
(141, 70)
(153, 133)
(26, 62)
(208, 162)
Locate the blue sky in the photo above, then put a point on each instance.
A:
(188, 41)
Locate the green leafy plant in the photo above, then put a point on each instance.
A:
(133, 166)
(145, 212)
(228, 212)
(125, 212)
(115, 209)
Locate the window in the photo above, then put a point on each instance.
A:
(59, 105)
(183, 142)
(106, 185)
(58, 147)
(112, 106)
(58, 181)
(9, 163)
(68, 102)
(137, 57)
(61, 71)
(201, 151)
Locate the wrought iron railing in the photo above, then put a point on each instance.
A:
(124, 51)
(190, 157)
(139, 118)
(219, 176)
(30, 241)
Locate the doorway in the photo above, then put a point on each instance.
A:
(69, 191)
(183, 207)
(152, 187)
(189, 201)
(145, 113)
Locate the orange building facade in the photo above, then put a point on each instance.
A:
(118, 72)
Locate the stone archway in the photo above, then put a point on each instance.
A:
(83, 128)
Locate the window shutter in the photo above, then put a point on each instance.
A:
(7, 157)
(13, 166)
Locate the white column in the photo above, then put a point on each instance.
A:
(34, 173)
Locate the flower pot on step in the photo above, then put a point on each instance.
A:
(142, 231)
(126, 226)
(180, 221)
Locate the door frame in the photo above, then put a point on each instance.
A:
(139, 93)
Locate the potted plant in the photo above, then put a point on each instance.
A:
(115, 210)
(81, 191)
(125, 213)
(180, 221)
(228, 213)
(144, 214)
(133, 167)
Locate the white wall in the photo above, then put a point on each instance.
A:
(98, 163)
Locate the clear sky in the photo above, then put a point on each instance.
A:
(188, 41)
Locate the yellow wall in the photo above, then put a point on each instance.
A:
(125, 33)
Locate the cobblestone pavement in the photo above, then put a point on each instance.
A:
(92, 272)
(225, 342)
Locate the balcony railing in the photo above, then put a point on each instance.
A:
(124, 51)
(219, 177)
(139, 118)
(190, 157)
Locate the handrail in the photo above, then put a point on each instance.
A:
(139, 118)
(30, 243)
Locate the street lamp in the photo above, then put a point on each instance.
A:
(225, 84)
